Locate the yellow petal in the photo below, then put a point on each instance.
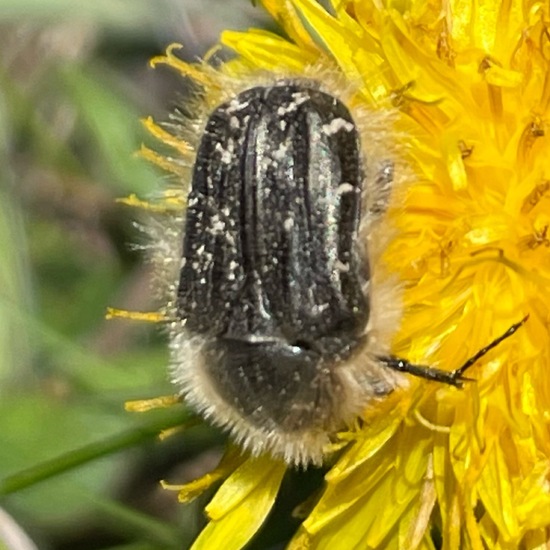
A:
(146, 405)
(241, 504)
(285, 14)
(185, 69)
(348, 46)
(230, 461)
(167, 204)
(170, 164)
(147, 316)
(495, 490)
(161, 134)
(268, 50)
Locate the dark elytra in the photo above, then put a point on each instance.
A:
(271, 277)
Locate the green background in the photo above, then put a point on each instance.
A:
(76, 470)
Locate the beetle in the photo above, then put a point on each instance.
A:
(276, 336)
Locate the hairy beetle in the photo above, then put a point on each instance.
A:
(274, 301)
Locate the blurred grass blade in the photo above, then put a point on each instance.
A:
(112, 122)
(15, 349)
(93, 451)
(129, 520)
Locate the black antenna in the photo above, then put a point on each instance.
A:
(455, 377)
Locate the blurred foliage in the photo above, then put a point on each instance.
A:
(76, 470)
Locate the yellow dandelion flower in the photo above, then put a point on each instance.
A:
(467, 84)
